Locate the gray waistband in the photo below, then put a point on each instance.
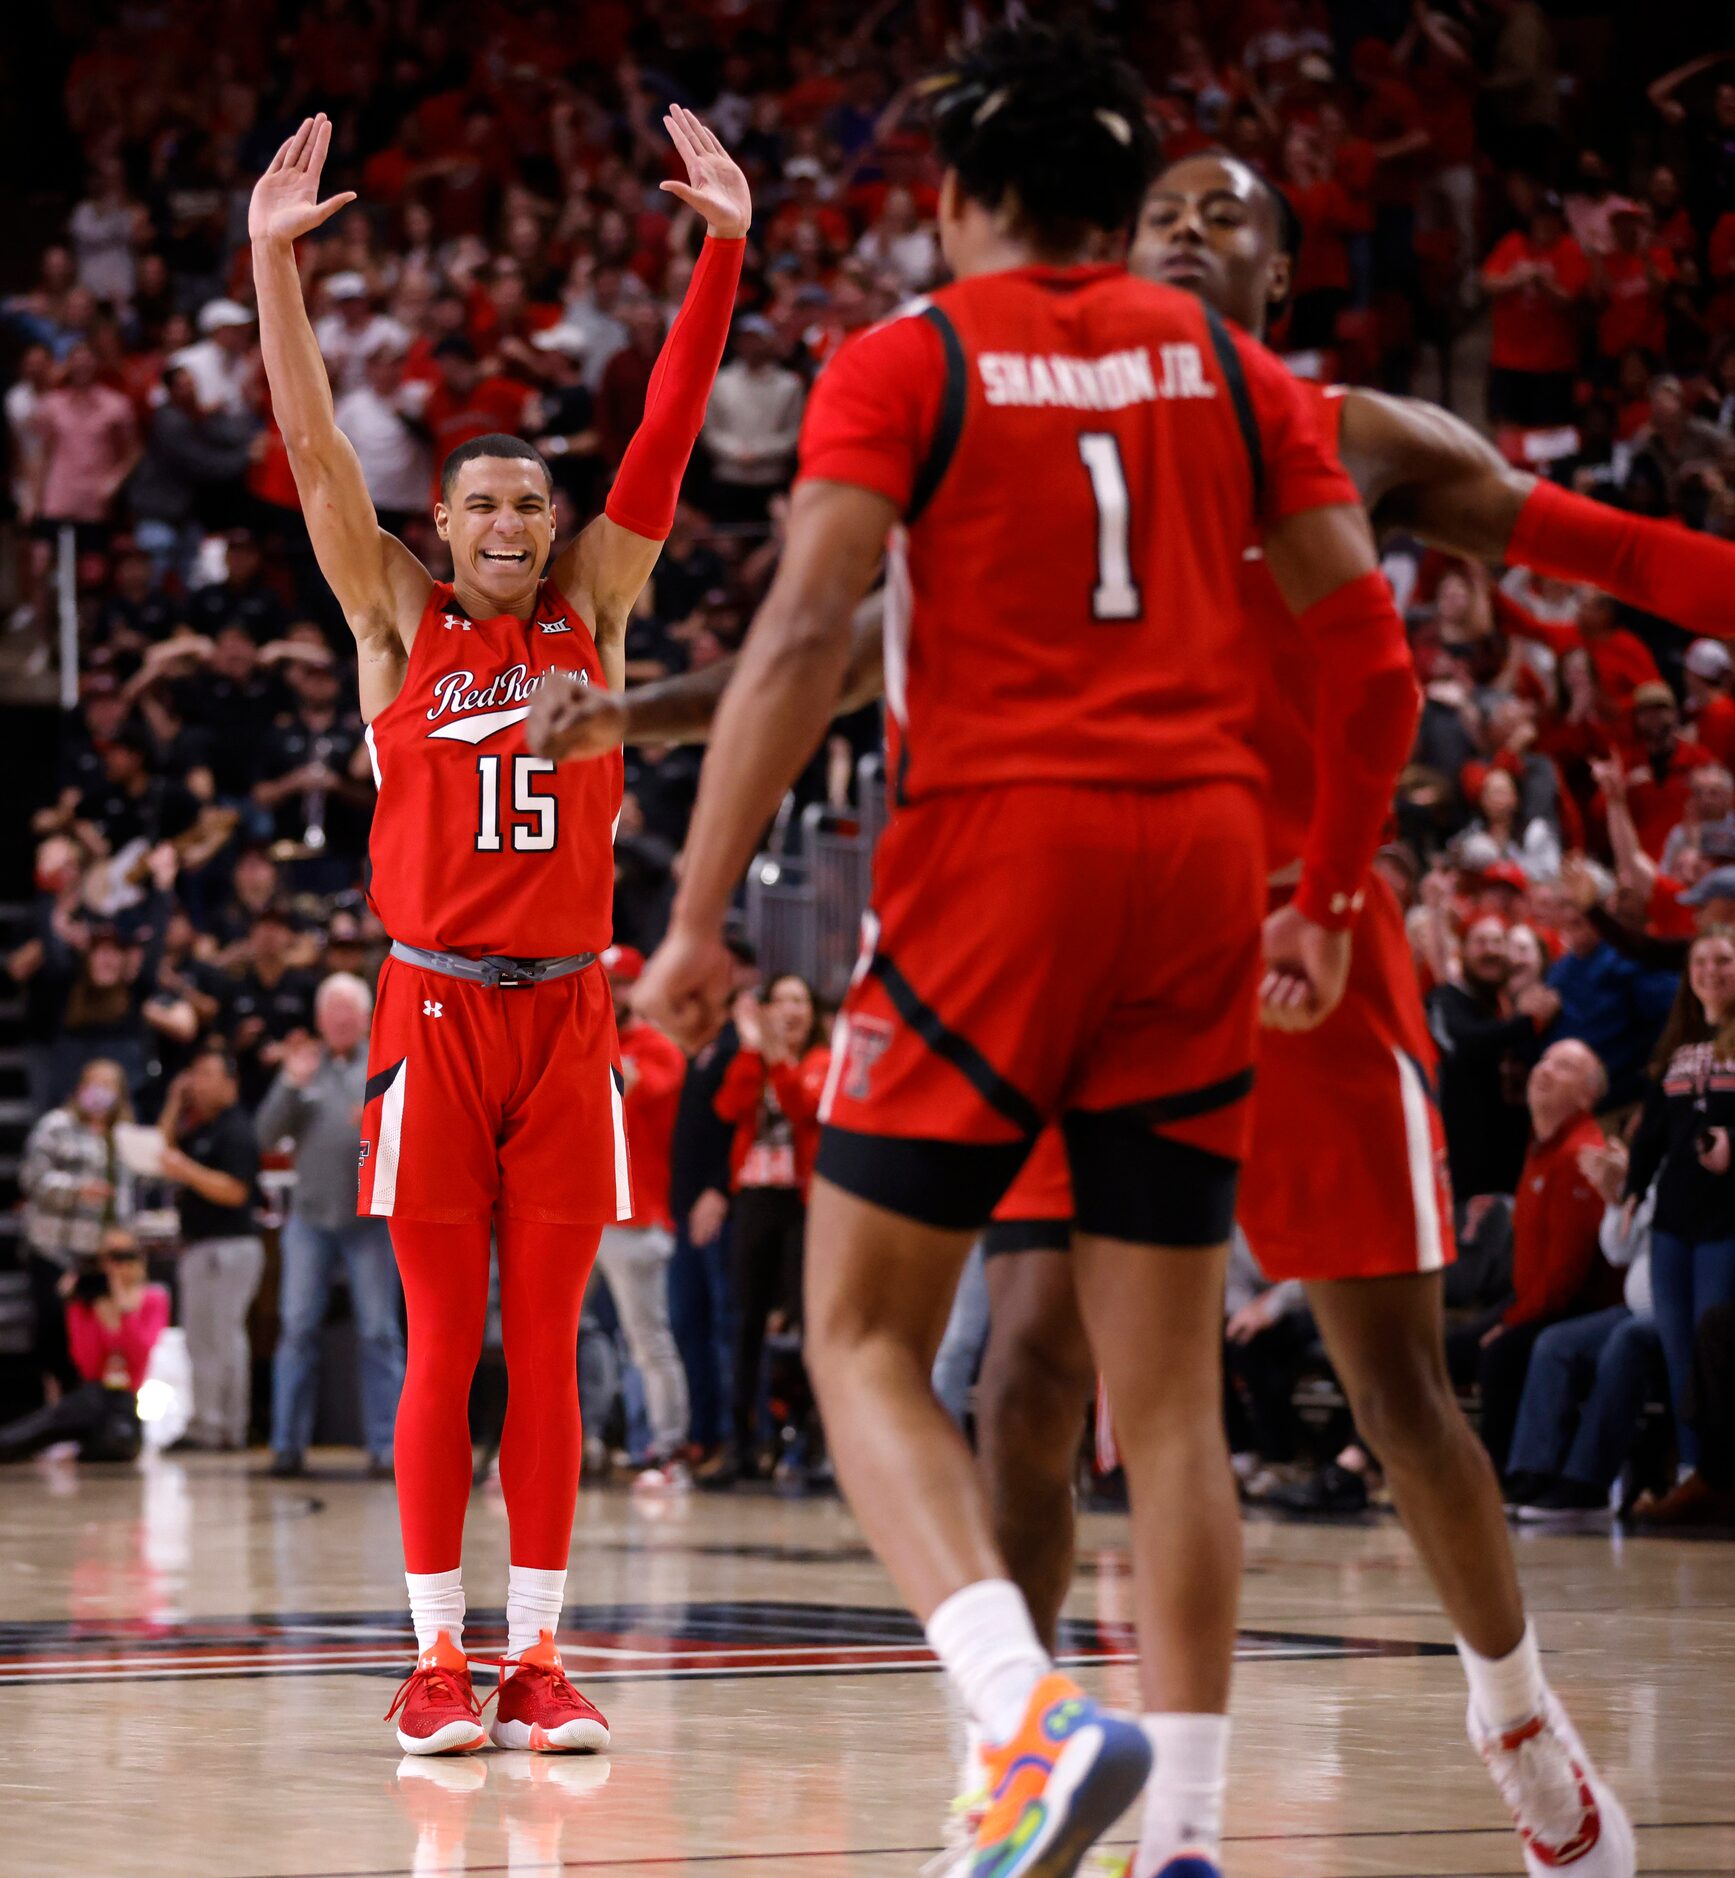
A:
(493, 970)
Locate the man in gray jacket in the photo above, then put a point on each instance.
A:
(316, 1103)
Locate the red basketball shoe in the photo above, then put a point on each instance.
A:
(539, 1709)
(436, 1708)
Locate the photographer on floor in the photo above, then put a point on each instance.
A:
(113, 1318)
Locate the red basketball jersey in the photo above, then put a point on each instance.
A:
(1288, 674)
(1079, 459)
(478, 846)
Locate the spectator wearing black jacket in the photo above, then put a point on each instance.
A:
(1486, 1048)
(1684, 1144)
(191, 456)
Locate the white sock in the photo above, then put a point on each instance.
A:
(984, 1637)
(1184, 1795)
(436, 1604)
(533, 1601)
(1507, 1691)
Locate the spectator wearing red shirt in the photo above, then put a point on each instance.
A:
(805, 205)
(1537, 279)
(1710, 712)
(1555, 1219)
(1630, 282)
(771, 1093)
(620, 399)
(1620, 659)
(1328, 217)
(634, 1256)
(465, 403)
(1659, 783)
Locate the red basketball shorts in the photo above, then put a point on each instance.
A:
(1054, 952)
(484, 1101)
(1346, 1176)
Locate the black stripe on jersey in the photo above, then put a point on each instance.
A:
(620, 1081)
(379, 1084)
(949, 427)
(1229, 362)
(959, 1051)
(1186, 1103)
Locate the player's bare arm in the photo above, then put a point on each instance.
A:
(569, 720)
(604, 570)
(379, 584)
(786, 691)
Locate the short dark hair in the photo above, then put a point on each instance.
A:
(497, 443)
(1282, 209)
(215, 1046)
(1054, 118)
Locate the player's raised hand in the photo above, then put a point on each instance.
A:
(286, 202)
(1307, 968)
(568, 720)
(715, 187)
(684, 990)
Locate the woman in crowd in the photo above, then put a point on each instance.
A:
(771, 1094)
(1684, 1143)
(1533, 844)
(74, 1189)
(112, 1320)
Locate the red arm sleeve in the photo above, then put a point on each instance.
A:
(1675, 573)
(873, 410)
(648, 481)
(742, 1086)
(1521, 623)
(1366, 710)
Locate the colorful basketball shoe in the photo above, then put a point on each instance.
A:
(436, 1708)
(1567, 1817)
(539, 1709)
(1058, 1784)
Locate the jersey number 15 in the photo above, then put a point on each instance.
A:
(535, 836)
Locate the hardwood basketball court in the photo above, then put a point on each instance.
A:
(194, 1664)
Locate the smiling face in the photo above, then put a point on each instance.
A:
(499, 520)
(1711, 974)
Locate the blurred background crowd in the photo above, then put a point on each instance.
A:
(1524, 210)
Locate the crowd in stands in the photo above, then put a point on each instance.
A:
(1491, 205)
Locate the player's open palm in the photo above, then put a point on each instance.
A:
(715, 187)
(286, 202)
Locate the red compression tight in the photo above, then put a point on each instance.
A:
(543, 1272)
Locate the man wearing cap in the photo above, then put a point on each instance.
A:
(1629, 282)
(634, 1256)
(1710, 711)
(351, 332)
(244, 596)
(752, 424)
(223, 362)
(1659, 786)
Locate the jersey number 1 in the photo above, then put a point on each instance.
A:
(1116, 594)
(525, 838)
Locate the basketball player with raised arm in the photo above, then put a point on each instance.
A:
(1068, 464)
(493, 1101)
(1210, 224)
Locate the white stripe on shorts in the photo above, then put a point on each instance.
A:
(385, 1192)
(1419, 1149)
(623, 1182)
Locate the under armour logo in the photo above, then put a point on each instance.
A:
(431, 1009)
(455, 621)
(555, 626)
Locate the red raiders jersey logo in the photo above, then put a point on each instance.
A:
(869, 1039)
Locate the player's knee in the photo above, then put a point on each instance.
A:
(1031, 1382)
(1405, 1411)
